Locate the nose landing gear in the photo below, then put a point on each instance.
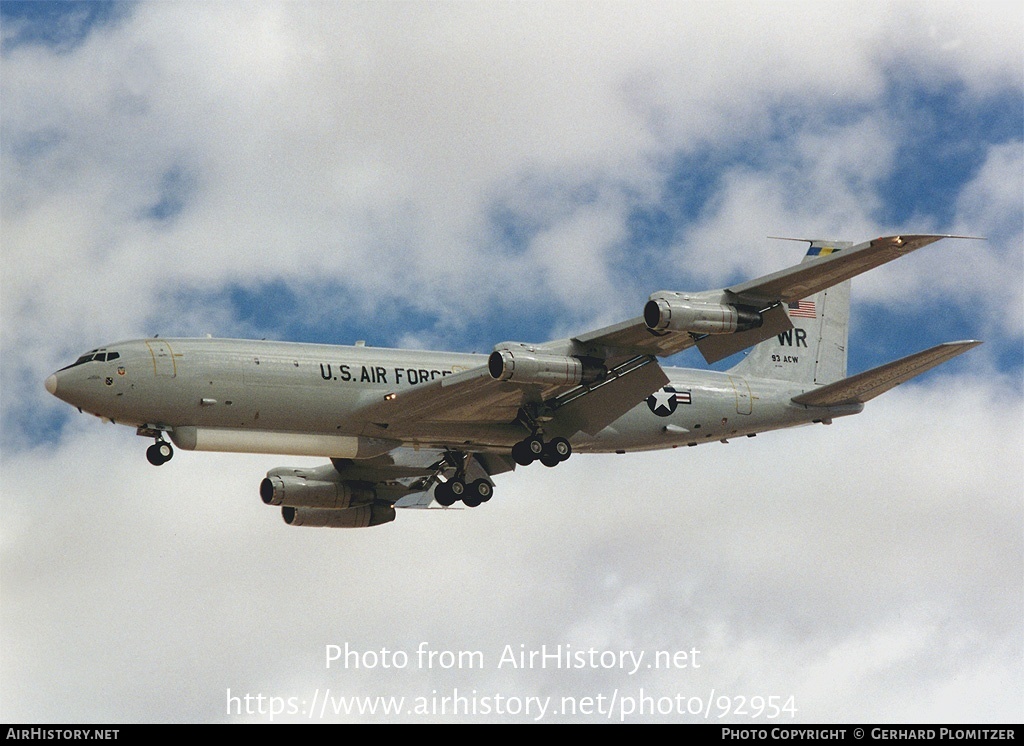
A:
(160, 452)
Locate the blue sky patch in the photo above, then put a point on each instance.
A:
(175, 186)
(946, 135)
(62, 24)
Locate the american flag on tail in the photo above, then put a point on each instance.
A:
(803, 309)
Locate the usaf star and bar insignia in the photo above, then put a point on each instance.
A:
(664, 401)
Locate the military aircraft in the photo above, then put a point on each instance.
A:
(408, 429)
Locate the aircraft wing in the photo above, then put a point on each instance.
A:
(404, 474)
(633, 337)
(765, 294)
(814, 274)
(402, 478)
(470, 395)
(475, 397)
(621, 358)
(819, 274)
(478, 466)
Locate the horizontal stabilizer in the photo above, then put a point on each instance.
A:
(869, 384)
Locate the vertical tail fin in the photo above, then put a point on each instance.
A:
(814, 350)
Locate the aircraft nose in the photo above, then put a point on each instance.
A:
(51, 384)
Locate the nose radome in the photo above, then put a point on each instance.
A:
(51, 384)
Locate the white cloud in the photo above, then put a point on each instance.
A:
(809, 562)
(342, 141)
(815, 189)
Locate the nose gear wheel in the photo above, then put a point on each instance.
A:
(160, 452)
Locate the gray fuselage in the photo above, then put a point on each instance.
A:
(303, 391)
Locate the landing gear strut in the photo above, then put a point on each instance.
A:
(160, 452)
(552, 453)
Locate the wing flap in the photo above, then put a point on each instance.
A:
(869, 384)
(715, 347)
(599, 408)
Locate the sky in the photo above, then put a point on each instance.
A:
(454, 175)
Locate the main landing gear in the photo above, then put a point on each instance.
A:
(552, 453)
(455, 489)
(160, 452)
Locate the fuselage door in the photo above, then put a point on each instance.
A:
(744, 402)
(164, 363)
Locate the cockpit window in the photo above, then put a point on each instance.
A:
(94, 355)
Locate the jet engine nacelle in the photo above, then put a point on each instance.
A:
(299, 492)
(525, 365)
(361, 516)
(685, 315)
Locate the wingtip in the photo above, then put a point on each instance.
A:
(904, 237)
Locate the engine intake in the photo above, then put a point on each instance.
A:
(670, 314)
